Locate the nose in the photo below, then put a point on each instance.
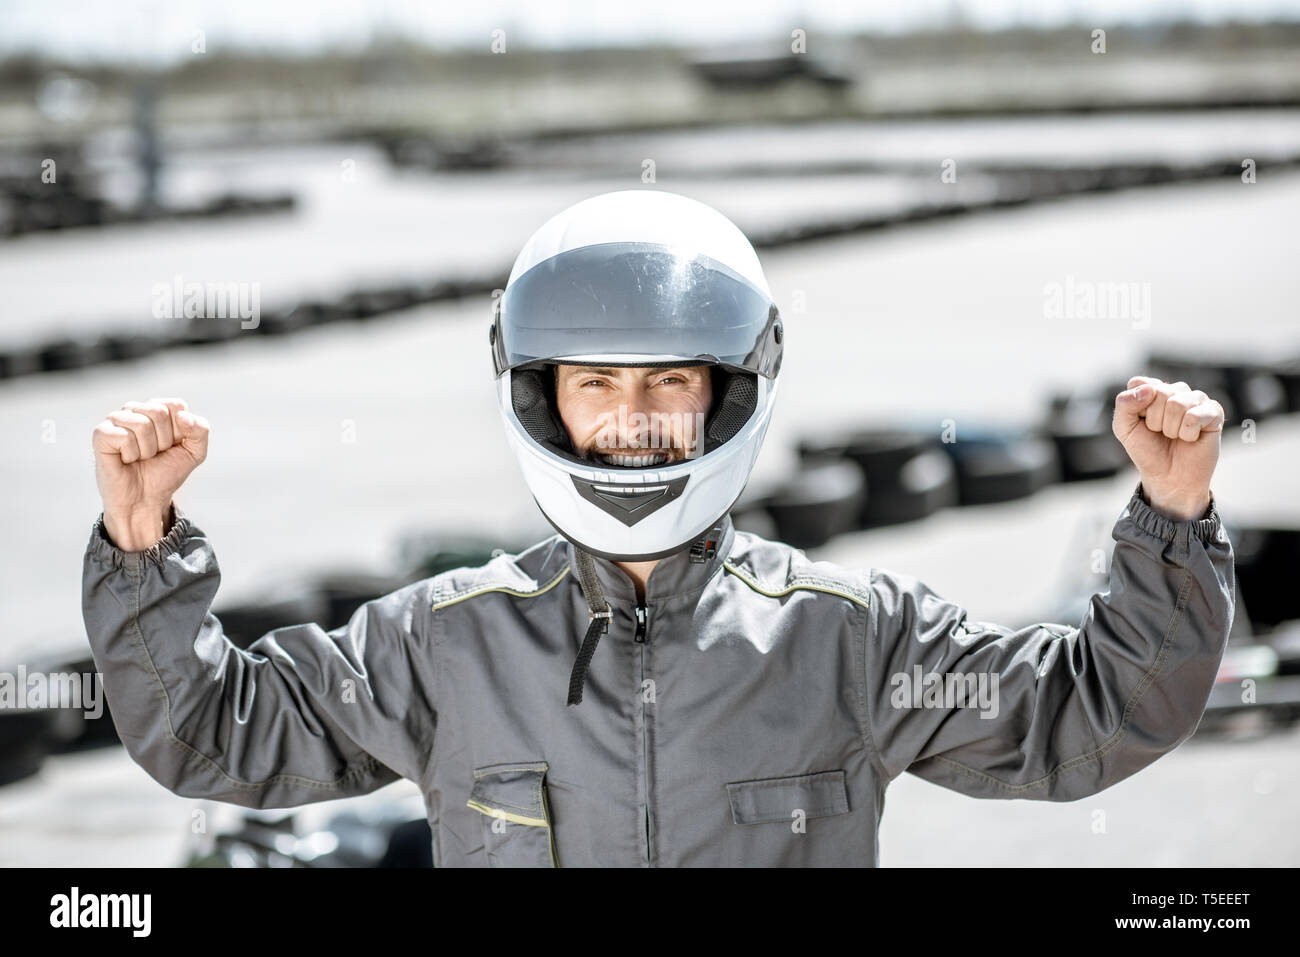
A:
(630, 421)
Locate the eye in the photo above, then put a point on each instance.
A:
(672, 378)
(592, 382)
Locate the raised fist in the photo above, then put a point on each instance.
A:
(1172, 434)
(144, 451)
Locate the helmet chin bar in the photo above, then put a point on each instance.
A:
(697, 538)
(629, 503)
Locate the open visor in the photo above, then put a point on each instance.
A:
(636, 299)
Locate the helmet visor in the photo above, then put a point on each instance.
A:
(637, 299)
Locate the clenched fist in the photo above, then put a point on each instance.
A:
(1172, 434)
(143, 453)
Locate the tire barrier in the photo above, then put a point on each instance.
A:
(62, 355)
(425, 553)
(245, 622)
(824, 499)
(62, 723)
(19, 361)
(1246, 390)
(342, 594)
(1288, 373)
(749, 515)
(25, 738)
(368, 303)
(1001, 465)
(36, 207)
(1079, 424)
(281, 322)
(1266, 559)
(907, 475)
(442, 153)
(205, 332)
(125, 346)
(1015, 186)
(67, 354)
(1284, 639)
(410, 844)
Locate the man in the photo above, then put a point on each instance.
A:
(747, 706)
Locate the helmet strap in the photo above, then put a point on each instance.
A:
(599, 615)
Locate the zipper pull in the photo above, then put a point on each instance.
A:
(640, 624)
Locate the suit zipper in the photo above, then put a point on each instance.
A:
(640, 639)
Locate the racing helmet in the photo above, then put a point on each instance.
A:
(636, 277)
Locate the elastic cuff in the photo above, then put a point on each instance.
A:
(1205, 529)
(102, 545)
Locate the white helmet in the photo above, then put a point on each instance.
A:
(637, 277)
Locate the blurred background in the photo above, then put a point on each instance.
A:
(978, 217)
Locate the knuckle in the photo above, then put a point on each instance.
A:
(153, 413)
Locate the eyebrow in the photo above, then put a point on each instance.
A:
(611, 371)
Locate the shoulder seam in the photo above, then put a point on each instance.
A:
(483, 589)
(805, 582)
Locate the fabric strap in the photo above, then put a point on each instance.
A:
(600, 615)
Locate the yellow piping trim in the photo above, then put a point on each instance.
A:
(508, 815)
(550, 831)
(808, 586)
(502, 588)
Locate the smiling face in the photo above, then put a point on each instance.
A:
(634, 417)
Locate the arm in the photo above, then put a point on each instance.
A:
(1066, 712)
(302, 715)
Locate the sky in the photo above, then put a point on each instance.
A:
(160, 31)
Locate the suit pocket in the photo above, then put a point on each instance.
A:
(516, 814)
(768, 800)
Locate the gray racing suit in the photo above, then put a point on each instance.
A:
(751, 711)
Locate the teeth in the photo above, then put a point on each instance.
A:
(635, 461)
